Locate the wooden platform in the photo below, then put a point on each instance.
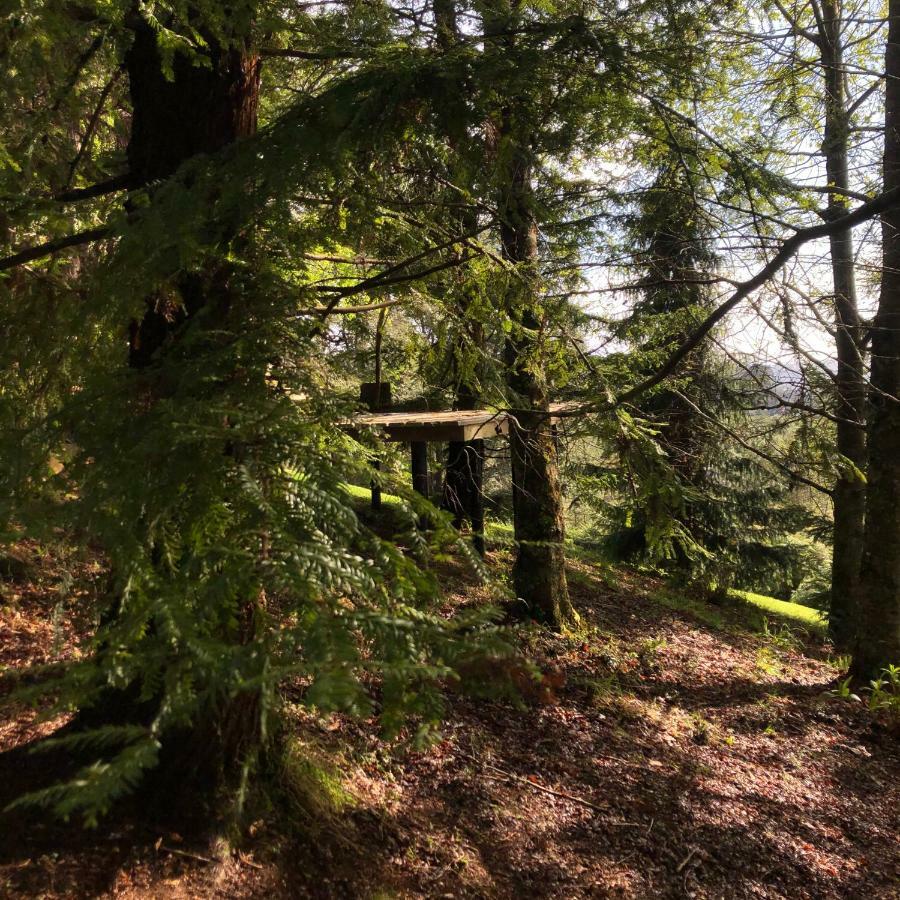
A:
(429, 426)
(420, 428)
(458, 425)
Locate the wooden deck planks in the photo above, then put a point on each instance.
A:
(446, 425)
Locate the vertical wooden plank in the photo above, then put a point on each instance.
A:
(375, 486)
(419, 460)
(476, 493)
(376, 396)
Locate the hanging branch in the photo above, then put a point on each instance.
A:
(883, 202)
(379, 282)
(110, 186)
(320, 55)
(29, 254)
(789, 249)
(345, 310)
(83, 59)
(92, 127)
(796, 476)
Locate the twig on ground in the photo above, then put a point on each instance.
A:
(239, 857)
(617, 759)
(686, 860)
(539, 787)
(187, 854)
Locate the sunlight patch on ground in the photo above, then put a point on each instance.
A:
(363, 493)
(804, 614)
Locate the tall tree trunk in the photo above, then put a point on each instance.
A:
(878, 635)
(539, 571)
(849, 488)
(208, 103)
(205, 106)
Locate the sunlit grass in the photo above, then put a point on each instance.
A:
(499, 532)
(363, 493)
(806, 615)
(703, 612)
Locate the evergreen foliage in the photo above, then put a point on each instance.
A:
(684, 498)
(454, 171)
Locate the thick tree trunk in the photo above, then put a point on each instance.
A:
(878, 636)
(206, 105)
(539, 571)
(849, 488)
(200, 110)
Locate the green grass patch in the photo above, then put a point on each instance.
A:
(502, 532)
(499, 532)
(357, 492)
(805, 615)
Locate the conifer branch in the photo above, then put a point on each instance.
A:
(91, 129)
(29, 254)
(768, 457)
(789, 249)
(345, 310)
(379, 281)
(322, 55)
(875, 207)
(100, 189)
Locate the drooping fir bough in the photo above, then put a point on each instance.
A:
(198, 455)
(193, 195)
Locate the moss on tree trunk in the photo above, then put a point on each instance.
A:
(539, 571)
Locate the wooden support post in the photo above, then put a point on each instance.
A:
(463, 487)
(475, 451)
(419, 459)
(376, 395)
(375, 486)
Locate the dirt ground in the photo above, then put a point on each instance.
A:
(673, 750)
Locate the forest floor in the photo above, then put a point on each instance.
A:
(674, 749)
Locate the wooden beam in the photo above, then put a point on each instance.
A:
(440, 432)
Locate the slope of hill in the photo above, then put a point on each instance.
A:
(671, 749)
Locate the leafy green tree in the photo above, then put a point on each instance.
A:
(826, 77)
(201, 457)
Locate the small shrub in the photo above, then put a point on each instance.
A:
(841, 662)
(884, 696)
(780, 634)
(844, 691)
(766, 662)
